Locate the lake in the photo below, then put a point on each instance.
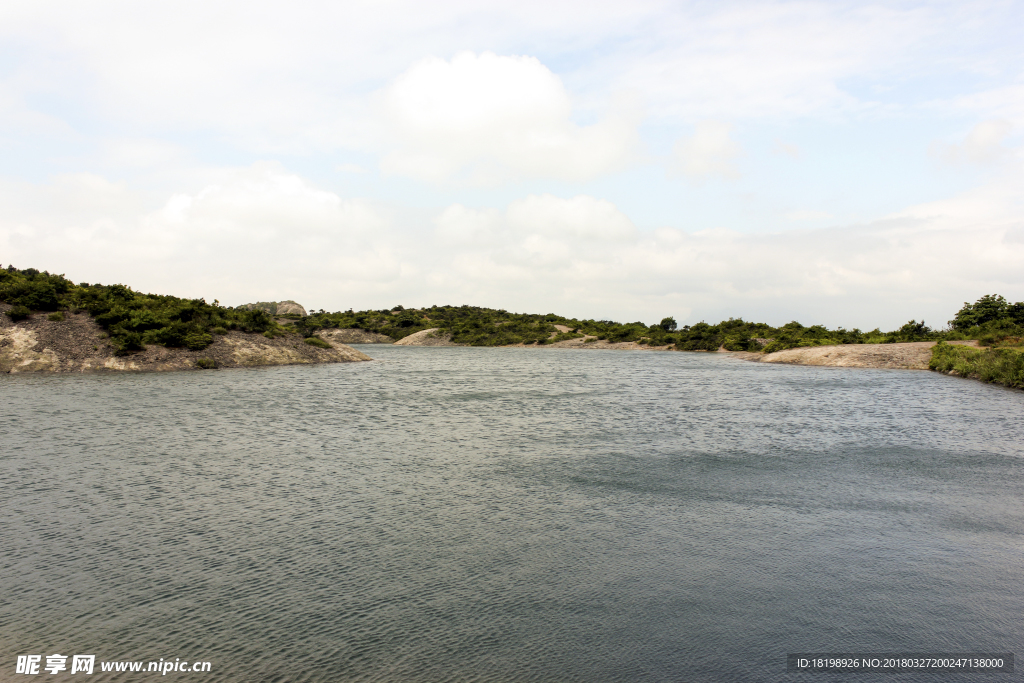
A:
(468, 514)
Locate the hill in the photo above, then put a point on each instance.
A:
(50, 324)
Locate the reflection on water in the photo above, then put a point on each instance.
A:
(450, 514)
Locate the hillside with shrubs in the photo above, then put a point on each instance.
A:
(133, 319)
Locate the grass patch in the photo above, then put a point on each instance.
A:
(1003, 366)
(56, 317)
(206, 364)
(317, 342)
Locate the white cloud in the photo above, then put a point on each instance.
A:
(792, 151)
(258, 231)
(1005, 102)
(808, 215)
(983, 145)
(580, 218)
(261, 232)
(459, 226)
(350, 168)
(488, 118)
(711, 151)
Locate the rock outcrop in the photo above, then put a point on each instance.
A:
(431, 337)
(288, 307)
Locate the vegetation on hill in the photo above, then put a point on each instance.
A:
(992, 320)
(998, 325)
(131, 319)
(475, 326)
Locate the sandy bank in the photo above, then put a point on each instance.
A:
(905, 356)
(78, 344)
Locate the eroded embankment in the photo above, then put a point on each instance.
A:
(78, 344)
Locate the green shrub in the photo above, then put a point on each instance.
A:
(113, 316)
(19, 313)
(206, 364)
(197, 340)
(986, 309)
(318, 342)
(257, 320)
(126, 342)
(56, 317)
(741, 344)
(998, 366)
(219, 330)
(32, 289)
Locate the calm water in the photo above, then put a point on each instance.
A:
(509, 515)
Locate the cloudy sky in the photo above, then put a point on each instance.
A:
(841, 163)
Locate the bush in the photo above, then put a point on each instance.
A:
(112, 317)
(741, 344)
(56, 317)
(206, 364)
(219, 330)
(19, 313)
(197, 340)
(318, 342)
(35, 290)
(257, 320)
(126, 342)
(911, 332)
(190, 335)
(998, 366)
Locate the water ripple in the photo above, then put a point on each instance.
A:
(509, 515)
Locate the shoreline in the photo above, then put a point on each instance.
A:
(77, 344)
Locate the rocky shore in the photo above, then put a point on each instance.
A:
(78, 344)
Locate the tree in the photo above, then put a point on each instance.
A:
(986, 309)
(668, 324)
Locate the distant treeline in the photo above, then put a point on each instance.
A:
(133, 319)
(991, 317)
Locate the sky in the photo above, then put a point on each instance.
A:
(839, 163)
